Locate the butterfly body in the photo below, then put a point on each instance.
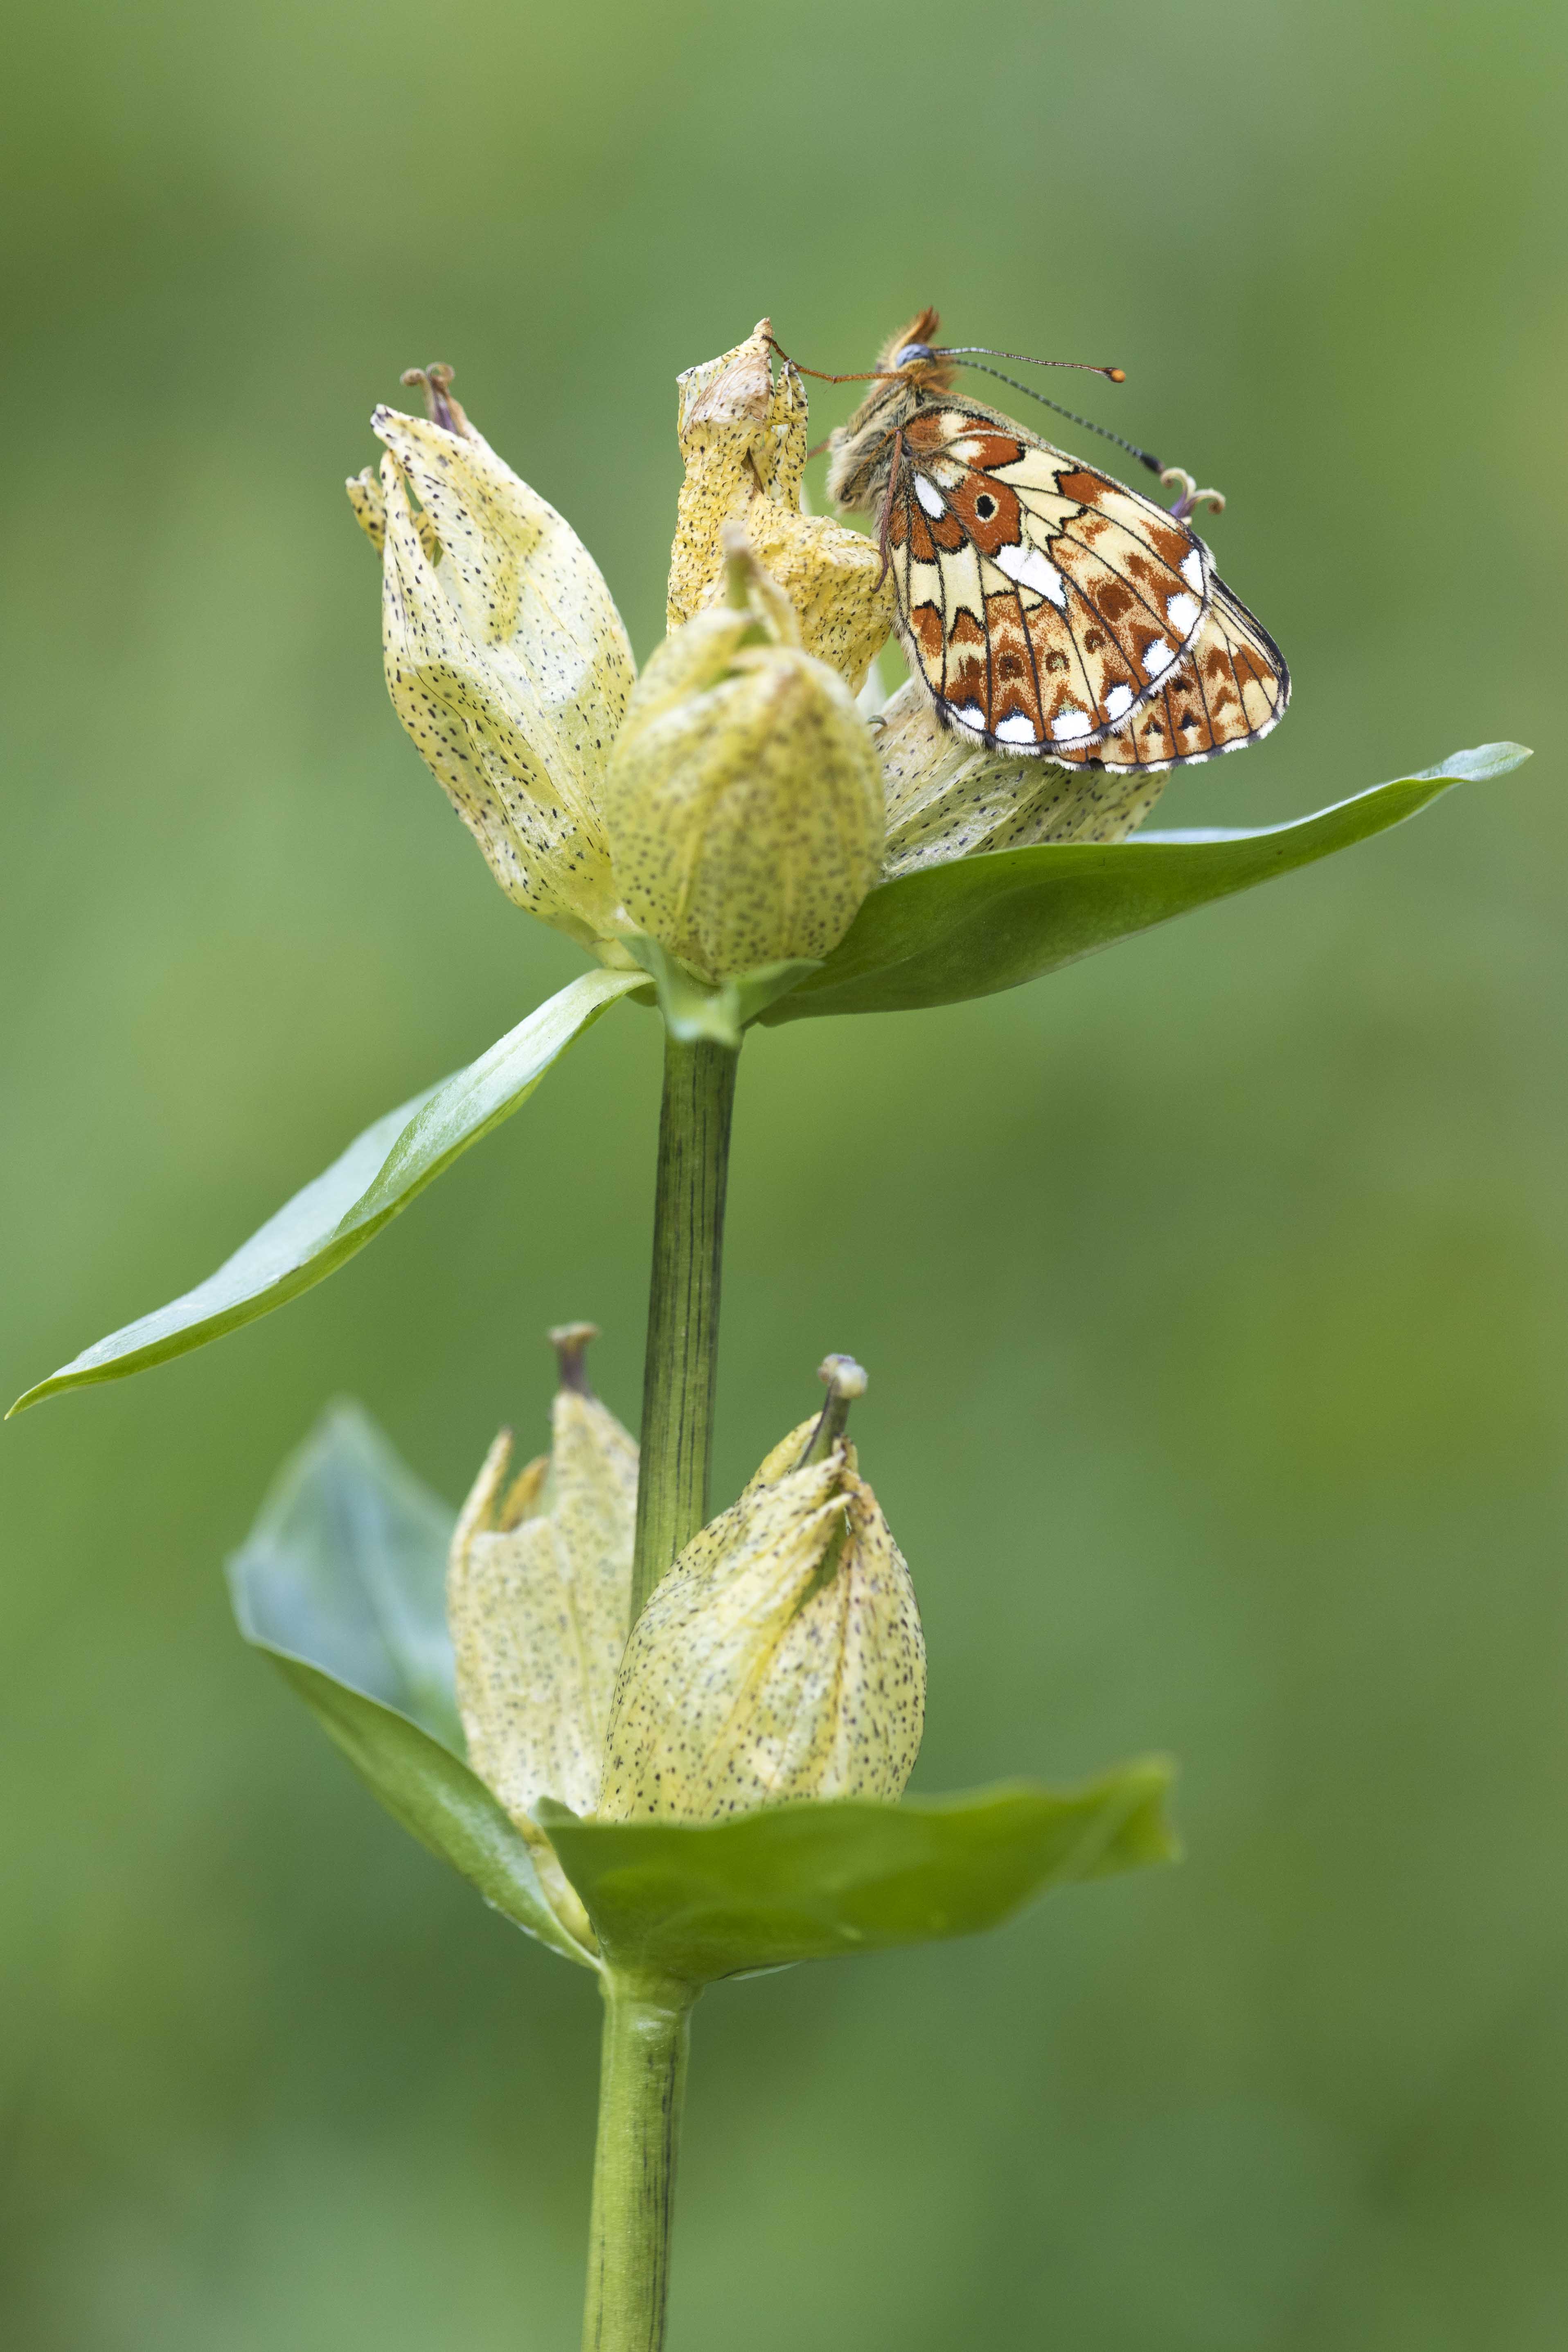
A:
(1049, 609)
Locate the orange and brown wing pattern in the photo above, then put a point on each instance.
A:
(1050, 609)
(1229, 691)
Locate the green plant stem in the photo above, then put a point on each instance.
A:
(642, 2079)
(680, 1370)
(642, 2082)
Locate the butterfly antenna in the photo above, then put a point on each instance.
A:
(984, 350)
(1072, 415)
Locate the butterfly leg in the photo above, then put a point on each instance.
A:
(1191, 498)
(886, 522)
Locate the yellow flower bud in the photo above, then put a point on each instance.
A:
(506, 659)
(742, 437)
(743, 798)
(782, 1656)
(539, 1595)
(945, 800)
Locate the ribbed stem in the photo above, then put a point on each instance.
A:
(680, 1372)
(642, 2084)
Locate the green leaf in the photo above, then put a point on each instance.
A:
(993, 921)
(447, 1808)
(346, 1566)
(342, 1584)
(806, 1881)
(347, 1205)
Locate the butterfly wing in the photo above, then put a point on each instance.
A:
(1048, 607)
(1229, 690)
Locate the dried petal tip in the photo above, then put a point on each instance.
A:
(435, 380)
(736, 389)
(570, 1341)
(743, 437)
(782, 1657)
(369, 506)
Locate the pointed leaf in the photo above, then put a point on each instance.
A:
(992, 921)
(445, 1805)
(342, 1584)
(346, 1566)
(806, 1882)
(348, 1205)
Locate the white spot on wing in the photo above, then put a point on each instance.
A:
(1157, 656)
(968, 714)
(1118, 701)
(1180, 612)
(1070, 724)
(1193, 570)
(932, 500)
(1028, 567)
(1017, 730)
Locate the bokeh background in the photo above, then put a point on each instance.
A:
(1213, 1291)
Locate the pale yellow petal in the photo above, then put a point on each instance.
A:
(781, 1658)
(369, 506)
(507, 662)
(539, 1609)
(728, 440)
(945, 800)
(744, 439)
(834, 579)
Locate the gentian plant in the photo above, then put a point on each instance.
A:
(671, 1747)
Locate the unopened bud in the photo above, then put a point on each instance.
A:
(506, 659)
(782, 1656)
(743, 798)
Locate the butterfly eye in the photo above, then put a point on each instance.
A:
(912, 351)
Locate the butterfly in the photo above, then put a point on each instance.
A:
(1047, 608)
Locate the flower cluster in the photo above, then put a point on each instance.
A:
(780, 1658)
(737, 803)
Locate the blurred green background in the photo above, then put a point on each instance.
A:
(1213, 1291)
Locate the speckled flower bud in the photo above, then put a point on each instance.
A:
(946, 800)
(782, 1656)
(539, 1595)
(743, 437)
(743, 798)
(505, 655)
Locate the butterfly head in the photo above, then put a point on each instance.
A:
(909, 366)
(914, 357)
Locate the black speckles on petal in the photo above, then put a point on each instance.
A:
(752, 1676)
(504, 662)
